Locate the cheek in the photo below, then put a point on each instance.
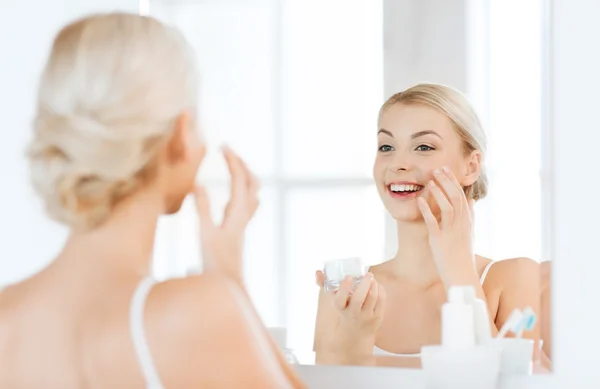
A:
(378, 169)
(428, 173)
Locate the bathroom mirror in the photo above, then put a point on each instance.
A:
(296, 85)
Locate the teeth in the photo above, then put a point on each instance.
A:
(405, 188)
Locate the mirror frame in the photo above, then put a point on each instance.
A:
(568, 67)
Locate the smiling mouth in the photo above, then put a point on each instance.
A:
(404, 190)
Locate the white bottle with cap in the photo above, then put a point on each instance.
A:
(481, 317)
(459, 362)
(457, 320)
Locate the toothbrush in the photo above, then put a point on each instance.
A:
(527, 323)
(513, 320)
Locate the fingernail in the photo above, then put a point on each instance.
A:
(446, 169)
(431, 184)
(437, 171)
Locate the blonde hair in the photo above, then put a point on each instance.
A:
(457, 108)
(109, 96)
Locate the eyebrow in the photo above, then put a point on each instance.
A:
(413, 136)
(384, 131)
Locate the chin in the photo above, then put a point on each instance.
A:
(174, 205)
(406, 215)
(402, 211)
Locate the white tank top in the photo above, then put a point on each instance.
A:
(381, 352)
(138, 334)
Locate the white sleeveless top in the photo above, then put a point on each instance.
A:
(138, 335)
(381, 352)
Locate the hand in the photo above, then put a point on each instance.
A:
(450, 239)
(360, 311)
(222, 245)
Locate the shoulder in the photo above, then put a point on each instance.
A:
(182, 307)
(518, 282)
(203, 320)
(515, 271)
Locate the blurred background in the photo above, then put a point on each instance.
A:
(295, 86)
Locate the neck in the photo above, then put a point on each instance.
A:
(414, 259)
(122, 246)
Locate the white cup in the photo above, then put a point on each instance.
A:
(517, 355)
(338, 269)
(476, 367)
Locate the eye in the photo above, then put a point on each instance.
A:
(424, 148)
(385, 148)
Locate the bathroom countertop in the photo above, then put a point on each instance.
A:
(360, 377)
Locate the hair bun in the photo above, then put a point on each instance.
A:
(106, 104)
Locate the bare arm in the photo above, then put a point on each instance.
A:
(546, 319)
(203, 332)
(327, 319)
(520, 280)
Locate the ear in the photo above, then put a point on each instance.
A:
(472, 168)
(177, 149)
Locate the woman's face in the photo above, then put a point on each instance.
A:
(413, 141)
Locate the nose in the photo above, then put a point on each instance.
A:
(399, 163)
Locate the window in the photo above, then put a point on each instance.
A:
(505, 58)
(298, 99)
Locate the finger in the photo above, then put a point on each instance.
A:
(371, 300)
(380, 304)
(452, 177)
(360, 294)
(238, 186)
(203, 208)
(451, 188)
(250, 178)
(445, 206)
(253, 187)
(430, 220)
(342, 296)
(320, 278)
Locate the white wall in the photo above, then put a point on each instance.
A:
(27, 27)
(425, 40)
(573, 113)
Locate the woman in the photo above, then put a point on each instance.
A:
(429, 170)
(114, 148)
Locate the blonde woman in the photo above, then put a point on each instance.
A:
(115, 146)
(429, 171)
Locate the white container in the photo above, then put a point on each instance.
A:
(476, 367)
(459, 362)
(481, 317)
(517, 356)
(457, 320)
(338, 269)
